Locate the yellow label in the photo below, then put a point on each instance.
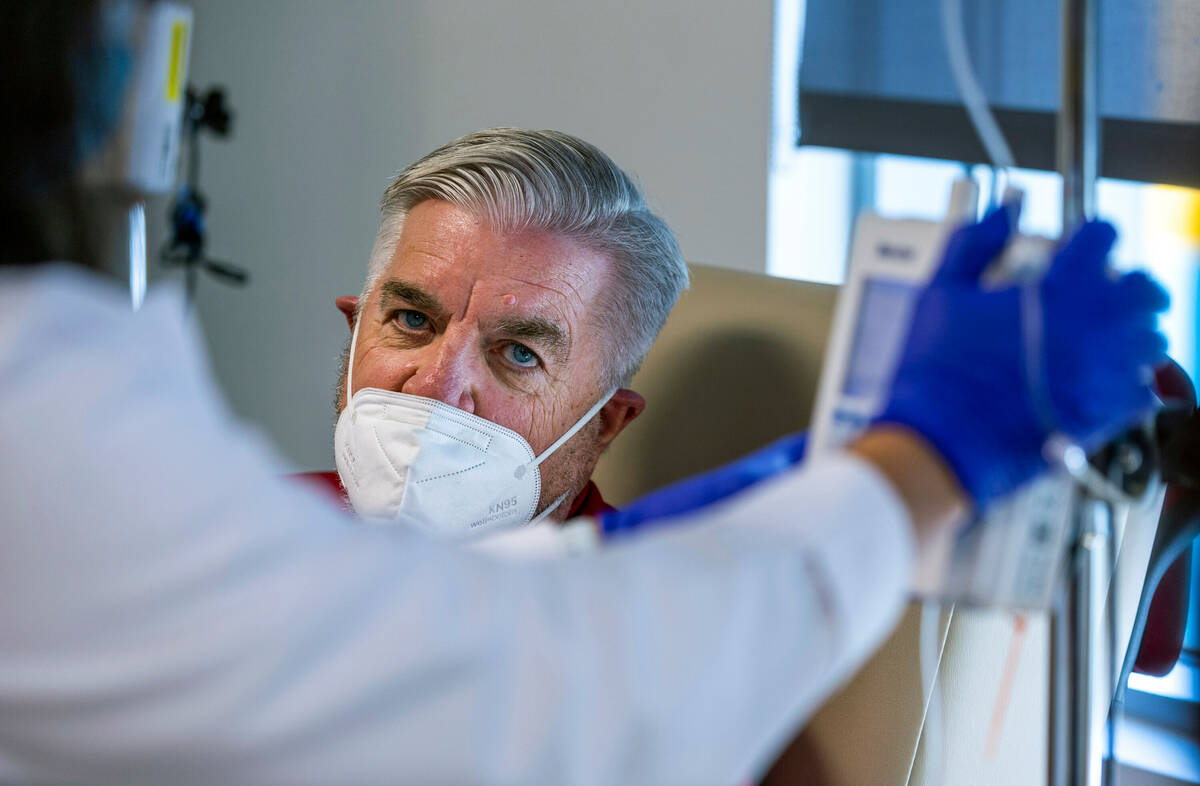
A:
(175, 65)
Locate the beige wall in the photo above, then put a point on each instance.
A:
(332, 97)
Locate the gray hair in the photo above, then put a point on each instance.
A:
(548, 181)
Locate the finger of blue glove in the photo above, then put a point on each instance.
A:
(1135, 298)
(972, 248)
(1143, 348)
(1118, 411)
(1113, 348)
(1103, 381)
(1139, 292)
(1086, 252)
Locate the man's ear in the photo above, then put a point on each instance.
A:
(619, 412)
(348, 305)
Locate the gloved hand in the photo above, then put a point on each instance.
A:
(963, 381)
(664, 504)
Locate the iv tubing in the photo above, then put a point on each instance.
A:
(990, 135)
(931, 647)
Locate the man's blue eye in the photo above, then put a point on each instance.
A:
(414, 319)
(522, 355)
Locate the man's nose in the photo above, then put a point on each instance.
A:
(444, 370)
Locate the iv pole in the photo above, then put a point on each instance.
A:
(1081, 674)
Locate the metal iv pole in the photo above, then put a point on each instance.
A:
(1079, 113)
(1081, 671)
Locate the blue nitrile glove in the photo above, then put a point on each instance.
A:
(963, 382)
(660, 506)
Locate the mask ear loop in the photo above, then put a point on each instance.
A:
(558, 443)
(350, 362)
(553, 507)
(572, 431)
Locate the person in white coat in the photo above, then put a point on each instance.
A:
(171, 610)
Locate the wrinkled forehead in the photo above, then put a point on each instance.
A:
(473, 270)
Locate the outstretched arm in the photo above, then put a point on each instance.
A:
(172, 610)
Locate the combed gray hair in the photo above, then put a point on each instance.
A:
(548, 181)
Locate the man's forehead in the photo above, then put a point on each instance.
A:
(531, 276)
(491, 295)
(448, 252)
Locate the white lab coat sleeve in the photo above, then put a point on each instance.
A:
(171, 610)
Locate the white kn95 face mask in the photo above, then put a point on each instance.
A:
(418, 461)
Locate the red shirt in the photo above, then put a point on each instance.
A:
(588, 503)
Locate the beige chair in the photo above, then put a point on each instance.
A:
(737, 366)
(734, 368)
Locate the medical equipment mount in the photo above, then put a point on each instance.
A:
(188, 220)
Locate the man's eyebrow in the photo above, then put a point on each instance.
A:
(538, 331)
(395, 289)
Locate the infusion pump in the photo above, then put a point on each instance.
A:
(1011, 557)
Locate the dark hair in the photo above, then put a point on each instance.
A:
(48, 47)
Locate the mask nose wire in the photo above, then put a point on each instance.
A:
(572, 431)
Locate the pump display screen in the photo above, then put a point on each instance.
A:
(883, 315)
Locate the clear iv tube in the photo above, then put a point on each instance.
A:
(999, 153)
(1059, 450)
(931, 644)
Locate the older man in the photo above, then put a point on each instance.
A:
(518, 276)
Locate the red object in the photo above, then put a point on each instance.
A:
(1162, 639)
(328, 482)
(1166, 620)
(588, 503)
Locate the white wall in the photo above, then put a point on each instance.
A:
(332, 97)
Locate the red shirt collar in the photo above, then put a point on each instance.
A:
(588, 503)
